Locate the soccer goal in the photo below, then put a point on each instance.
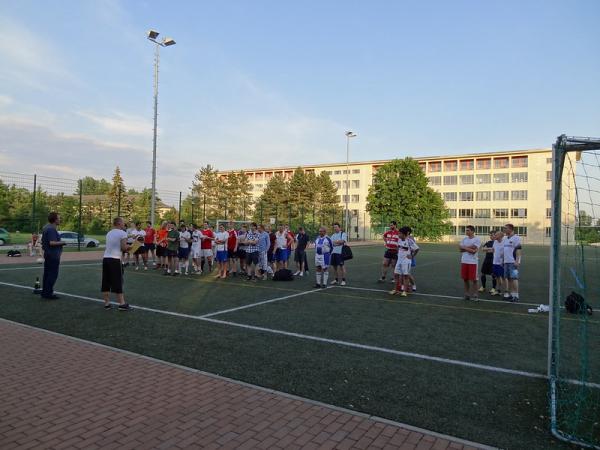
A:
(574, 333)
(236, 223)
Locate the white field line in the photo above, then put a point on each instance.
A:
(252, 305)
(439, 296)
(338, 342)
(41, 267)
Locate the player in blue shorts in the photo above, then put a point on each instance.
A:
(323, 248)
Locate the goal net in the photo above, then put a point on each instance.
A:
(237, 224)
(574, 334)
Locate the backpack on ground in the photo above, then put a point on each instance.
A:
(13, 253)
(575, 304)
(283, 275)
(347, 252)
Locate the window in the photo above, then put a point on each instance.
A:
(548, 232)
(483, 196)
(345, 198)
(355, 170)
(518, 213)
(482, 214)
(518, 195)
(449, 196)
(500, 163)
(521, 231)
(435, 166)
(466, 196)
(355, 198)
(548, 175)
(337, 172)
(346, 184)
(435, 181)
(345, 172)
(549, 194)
(354, 212)
(452, 213)
(500, 213)
(328, 172)
(518, 177)
(423, 166)
(465, 213)
(462, 229)
(450, 166)
(450, 180)
(338, 184)
(355, 184)
(549, 213)
(483, 164)
(453, 230)
(258, 176)
(484, 178)
(467, 164)
(466, 179)
(500, 178)
(500, 195)
(482, 229)
(519, 161)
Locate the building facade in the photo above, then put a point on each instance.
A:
(486, 190)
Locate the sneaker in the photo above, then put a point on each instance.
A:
(301, 274)
(508, 298)
(514, 299)
(381, 280)
(343, 283)
(264, 277)
(124, 307)
(323, 286)
(137, 267)
(394, 292)
(317, 285)
(333, 282)
(297, 273)
(414, 288)
(481, 289)
(145, 267)
(109, 306)
(403, 294)
(475, 298)
(493, 291)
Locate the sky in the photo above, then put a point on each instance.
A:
(272, 82)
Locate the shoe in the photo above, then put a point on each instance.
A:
(493, 291)
(166, 273)
(248, 278)
(467, 298)
(394, 292)
(514, 299)
(297, 273)
(109, 306)
(343, 283)
(51, 297)
(137, 268)
(475, 298)
(145, 268)
(414, 288)
(334, 282)
(403, 294)
(301, 274)
(323, 286)
(381, 280)
(317, 285)
(124, 307)
(481, 289)
(508, 298)
(264, 277)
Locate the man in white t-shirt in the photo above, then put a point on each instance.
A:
(130, 237)
(407, 248)
(498, 263)
(339, 239)
(196, 251)
(139, 235)
(112, 271)
(469, 247)
(512, 262)
(185, 239)
(221, 237)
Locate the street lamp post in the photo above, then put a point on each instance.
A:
(349, 134)
(166, 42)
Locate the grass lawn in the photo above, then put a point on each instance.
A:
(418, 360)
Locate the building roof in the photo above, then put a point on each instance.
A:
(383, 161)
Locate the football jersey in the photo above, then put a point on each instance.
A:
(323, 245)
(466, 257)
(391, 238)
(222, 237)
(196, 236)
(511, 244)
(231, 239)
(406, 247)
(207, 243)
(183, 237)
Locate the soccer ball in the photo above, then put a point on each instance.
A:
(39, 260)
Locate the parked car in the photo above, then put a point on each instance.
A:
(70, 237)
(4, 237)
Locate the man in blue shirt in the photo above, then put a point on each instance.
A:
(52, 246)
(264, 242)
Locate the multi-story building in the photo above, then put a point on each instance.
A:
(486, 190)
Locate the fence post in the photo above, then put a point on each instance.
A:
(33, 203)
(179, 211)
(80, 213)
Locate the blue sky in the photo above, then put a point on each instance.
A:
(278, 82)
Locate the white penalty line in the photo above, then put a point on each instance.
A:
(438, 359)
(504, 302)
(41, 266)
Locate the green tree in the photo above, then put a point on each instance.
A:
(93, 186)
(118, 195)
(327, 201)
(274, 201)
(400, 192)
(206, 186)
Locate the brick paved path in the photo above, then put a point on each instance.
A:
(59, 392)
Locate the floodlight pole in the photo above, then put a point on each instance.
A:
(349, 134)
(152, 35)
(153, 200)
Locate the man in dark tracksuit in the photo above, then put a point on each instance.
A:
(52, 246)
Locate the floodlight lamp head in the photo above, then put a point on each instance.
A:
(152, 34)
(168, 41)
(350, 134)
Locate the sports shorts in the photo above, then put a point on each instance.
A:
(337, 260)
(511, 272)
(206, 252)
(112, 275)
(390, 254)
(402, 268)
(241, 253)
(498, 270)
(141, 250)
(468, 272)
(299, 255)
(323, 260)
(183, 253)
(172, 253)
(161, 251)
(281, 254)
(231, 254)
(252, 258)
(151, 246)
(221, 255)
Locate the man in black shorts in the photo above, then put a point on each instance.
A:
(300, 252)
(252, 254)
(112, 270)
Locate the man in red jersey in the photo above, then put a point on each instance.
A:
(390, 257)
(206, 247)
(232, 247)
(150, 241)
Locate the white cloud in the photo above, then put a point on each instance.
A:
(5, 100)
(119, 122)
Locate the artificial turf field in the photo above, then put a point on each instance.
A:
(432, 360)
